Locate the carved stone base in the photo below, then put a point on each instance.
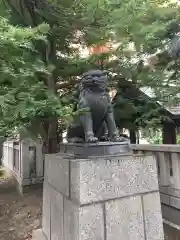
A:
(80, 150)
(94, 192)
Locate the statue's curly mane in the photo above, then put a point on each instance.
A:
(94, 80)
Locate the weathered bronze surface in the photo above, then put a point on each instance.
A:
(97, 121)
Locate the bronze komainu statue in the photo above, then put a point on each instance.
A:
(97, 121)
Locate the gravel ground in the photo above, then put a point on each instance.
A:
(171, 233)
(19, 215)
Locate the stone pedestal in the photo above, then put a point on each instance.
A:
(101, 192)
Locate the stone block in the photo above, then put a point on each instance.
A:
(165, 198)
(164, 189)
(174, 192)
(24, 181)
(112, 177)
(38, 235)
(170, 191)
(153, 217)
(171, 214)
(164, 165)
(25, 163)
(56, 215)
(58, 173)
(10, 156)
(175, 202)
(48, 158)
(71, 220)
(124, 219)
(46, 210)
(91, 222)
(39, 160)
(100, 197)
(83, 223)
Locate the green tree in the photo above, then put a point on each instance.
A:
(70, 22)
(147, 25)
(24, 98)
(144, 30)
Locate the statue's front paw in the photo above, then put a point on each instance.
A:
(91, 139)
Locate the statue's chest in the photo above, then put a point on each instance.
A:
(97, 102)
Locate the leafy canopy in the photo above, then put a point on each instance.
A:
(23, 96)
(144, 30)
(148, 26)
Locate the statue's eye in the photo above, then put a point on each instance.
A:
(86, 78)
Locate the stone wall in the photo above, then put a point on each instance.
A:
(101, 198)
(25, 161)
(168, 162)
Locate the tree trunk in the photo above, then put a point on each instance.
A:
(132, 136)
(52, 144)
(169, 133)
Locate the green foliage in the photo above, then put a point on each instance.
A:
(178, 138)
(138, 111)
(36, 100)
(23, 97)
(32, 64)
(153, 136)
(149, 27)
(2, 173)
